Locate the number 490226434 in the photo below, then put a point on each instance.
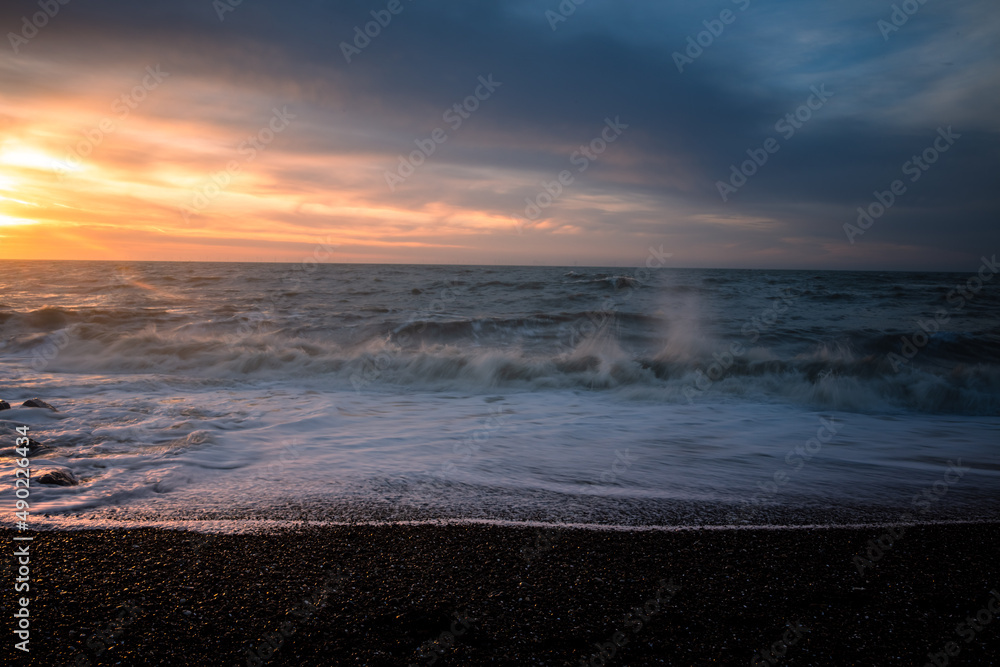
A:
(21, 485)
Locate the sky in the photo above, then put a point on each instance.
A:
(737, 133)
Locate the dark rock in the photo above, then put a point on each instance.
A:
(38, 403)
(34, 449)
(35, 446)
(4, 405)
(59, 478)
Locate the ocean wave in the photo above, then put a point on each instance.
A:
(614, 281)
(835, 376)
(51, 318)
(844, 339)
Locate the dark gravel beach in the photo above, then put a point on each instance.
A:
(511, 596)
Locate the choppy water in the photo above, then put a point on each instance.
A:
(194, 390)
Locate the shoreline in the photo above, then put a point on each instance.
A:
(473, 594)
(258, 526)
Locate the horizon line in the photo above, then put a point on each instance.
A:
(519, 266)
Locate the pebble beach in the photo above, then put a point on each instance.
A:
(491, 595)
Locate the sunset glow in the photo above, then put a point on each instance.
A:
(528, 332)
(136, 148)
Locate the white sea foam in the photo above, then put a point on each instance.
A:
(491, 393)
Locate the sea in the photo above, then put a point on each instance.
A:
(266, 394)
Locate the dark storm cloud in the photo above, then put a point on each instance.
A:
(891, 91)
